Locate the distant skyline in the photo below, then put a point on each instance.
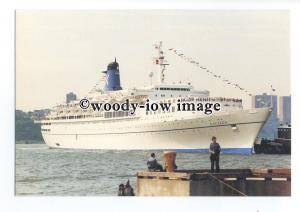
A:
(58, 52)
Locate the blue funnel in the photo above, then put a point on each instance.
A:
(112, 77)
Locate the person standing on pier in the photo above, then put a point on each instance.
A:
(214, 150)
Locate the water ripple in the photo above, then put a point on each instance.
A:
(44, 171)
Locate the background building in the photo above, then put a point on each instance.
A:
(269, 130)
(70, 97)
(284, 109)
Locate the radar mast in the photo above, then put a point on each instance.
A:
(160, 60)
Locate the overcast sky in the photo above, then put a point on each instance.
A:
(62, 51)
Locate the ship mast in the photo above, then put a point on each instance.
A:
(160, 60)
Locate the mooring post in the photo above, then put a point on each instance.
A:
(170, 157)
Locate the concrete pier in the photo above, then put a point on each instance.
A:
(229, 182)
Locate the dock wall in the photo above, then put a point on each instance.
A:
(238, 182)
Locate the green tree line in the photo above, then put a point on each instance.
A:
(26, 131)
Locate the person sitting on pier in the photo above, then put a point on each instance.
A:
(153, 165)
(214, 150)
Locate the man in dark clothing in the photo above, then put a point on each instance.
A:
(153, 165)
(214, 150)
(121, 190)
(128, 191)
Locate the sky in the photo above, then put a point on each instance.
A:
(62, 51)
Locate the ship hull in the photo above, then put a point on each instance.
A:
(236, 132)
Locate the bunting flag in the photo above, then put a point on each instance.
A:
(196, 63)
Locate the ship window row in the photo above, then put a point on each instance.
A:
(284, 130)
(163, 95)
(159, 111)
(45, 130)
(210, 99)
(46, 123)
(173, 89)
(116, 114)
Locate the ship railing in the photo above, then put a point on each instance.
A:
(207, 99)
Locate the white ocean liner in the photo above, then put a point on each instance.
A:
(69, 126)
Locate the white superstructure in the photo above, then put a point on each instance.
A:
(69, 126)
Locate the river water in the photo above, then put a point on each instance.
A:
(64, 172)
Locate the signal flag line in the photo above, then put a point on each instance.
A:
(197, 64)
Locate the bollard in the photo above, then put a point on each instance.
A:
(170, 157)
